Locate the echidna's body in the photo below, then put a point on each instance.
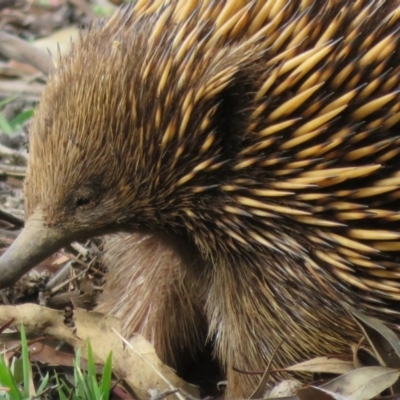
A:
(253, 148)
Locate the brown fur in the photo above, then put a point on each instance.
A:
(154, 287)
(183, 121)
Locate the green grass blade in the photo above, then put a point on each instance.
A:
(91, 366)
(8, 100)
(82, 390)
(8, 381)
(92, 373)
(20, 119)
(105, 386)
(94, 388)
(86, 385)
(77, 364)
(43, 384)
(64, 392)
(4, 125)
(26, 363)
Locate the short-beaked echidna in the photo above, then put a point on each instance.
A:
(250, 152)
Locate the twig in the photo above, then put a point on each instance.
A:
(18, 222)
(13, 170)
(17, 49)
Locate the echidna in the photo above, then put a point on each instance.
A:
(248, 151)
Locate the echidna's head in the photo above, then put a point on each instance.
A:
(134, 130)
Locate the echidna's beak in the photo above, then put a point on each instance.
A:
(35, 243)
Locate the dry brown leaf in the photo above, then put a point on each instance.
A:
(360, 384)
(363, 383)
(327, 365)
(384, 342)
(129, 364)
(48, 355)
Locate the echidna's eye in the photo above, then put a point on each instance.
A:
(82, 201)
(85, 198)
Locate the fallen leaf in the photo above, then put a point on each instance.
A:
(137, 364)
(327, 365)
(363, 383)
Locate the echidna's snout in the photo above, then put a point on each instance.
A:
(33, 245)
